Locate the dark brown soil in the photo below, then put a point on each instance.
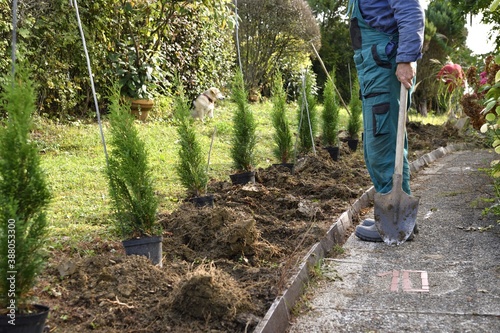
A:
(223, 266)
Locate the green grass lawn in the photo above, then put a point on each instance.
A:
(431, 119)
(74, 160)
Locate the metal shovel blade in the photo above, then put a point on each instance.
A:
(395, 213)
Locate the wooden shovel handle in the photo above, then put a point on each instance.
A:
(403, 104)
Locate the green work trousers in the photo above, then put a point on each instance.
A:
(375, 59)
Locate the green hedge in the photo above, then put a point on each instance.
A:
(195, 40)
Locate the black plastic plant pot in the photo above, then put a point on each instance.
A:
(150, 247)
(243, 178)
(25, 323)
(203, 201)
(334, 152)
(353, 144)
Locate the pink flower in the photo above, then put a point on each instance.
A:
(484, 78)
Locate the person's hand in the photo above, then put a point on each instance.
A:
(405, 72)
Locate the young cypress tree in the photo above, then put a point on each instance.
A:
(307, 117)
(244, 137)
(24, 194)
(282, 136)
(191, 168)
(130, 181)
(330, 113)
(355, 121)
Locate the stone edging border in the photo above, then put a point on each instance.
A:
(277, 317)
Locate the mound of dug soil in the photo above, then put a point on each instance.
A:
(223, 266)
(209, 292)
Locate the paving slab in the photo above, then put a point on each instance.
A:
(457, 278)
(446, 280)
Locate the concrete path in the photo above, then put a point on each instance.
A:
(446, 280)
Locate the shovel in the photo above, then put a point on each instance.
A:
(395, 212)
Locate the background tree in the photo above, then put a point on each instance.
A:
(336, 50)
(468, 8)
(271, 32)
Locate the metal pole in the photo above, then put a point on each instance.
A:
(237, 34)
(91, 76)
(328, 75)
(350, 79)
(304, 97)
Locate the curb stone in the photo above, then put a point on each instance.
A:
(277, 317)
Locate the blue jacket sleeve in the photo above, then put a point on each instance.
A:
(410, 18)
